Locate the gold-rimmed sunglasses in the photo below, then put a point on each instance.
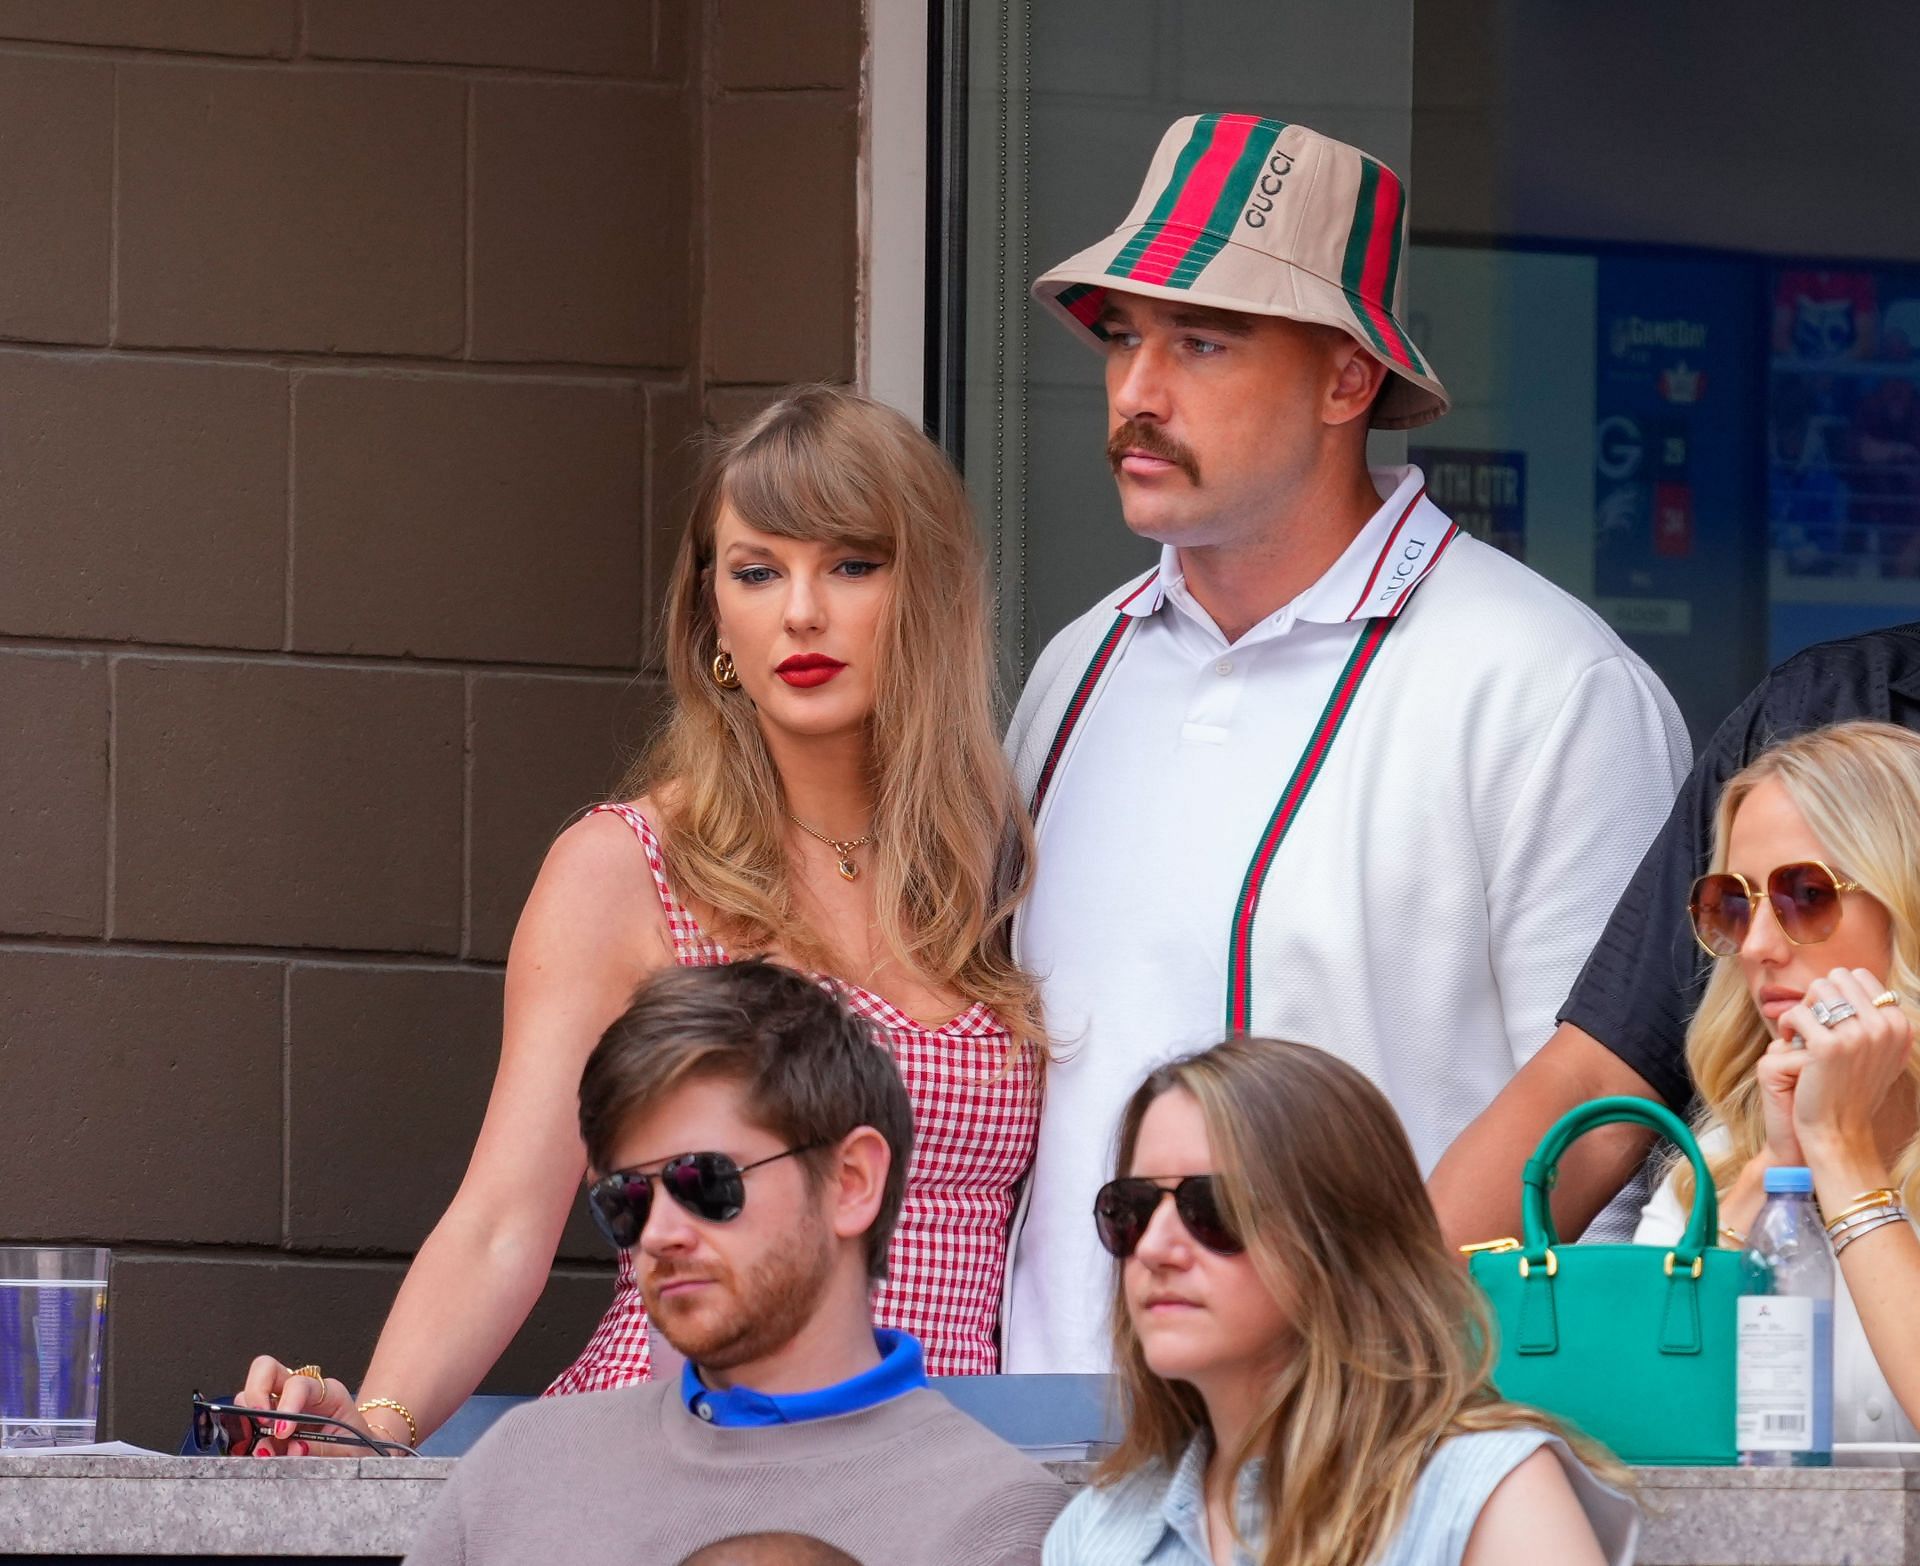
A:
(1805, 898)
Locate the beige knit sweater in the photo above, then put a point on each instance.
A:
(632, 1477)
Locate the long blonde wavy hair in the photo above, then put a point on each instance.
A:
(1392, 1350)
(953, 845)
(1858, 786)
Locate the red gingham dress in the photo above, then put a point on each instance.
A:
(974, 1129)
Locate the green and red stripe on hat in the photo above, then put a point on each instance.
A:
(1245, 213)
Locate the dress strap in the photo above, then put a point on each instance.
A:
(691, 945)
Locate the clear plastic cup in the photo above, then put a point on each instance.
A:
(53, 1317)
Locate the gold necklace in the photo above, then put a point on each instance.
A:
(843, 851)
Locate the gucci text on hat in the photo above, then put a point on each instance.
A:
(1265, 218)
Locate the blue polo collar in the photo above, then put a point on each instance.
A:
(902, 1368)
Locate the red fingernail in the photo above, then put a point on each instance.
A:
(301, 1449)
(283, 1429)
(263, 1450)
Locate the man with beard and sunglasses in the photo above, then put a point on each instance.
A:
(748, 1141)
(1332, 769)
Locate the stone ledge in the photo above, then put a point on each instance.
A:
(341, 1507)
(319, 1506)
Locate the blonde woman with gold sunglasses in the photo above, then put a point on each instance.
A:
(1802, 1049)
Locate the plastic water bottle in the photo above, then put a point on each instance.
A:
(1785, 1416)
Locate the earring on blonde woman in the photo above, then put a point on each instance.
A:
(724, 674)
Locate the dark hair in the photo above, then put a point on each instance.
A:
(810, 1069)
(769, 1549)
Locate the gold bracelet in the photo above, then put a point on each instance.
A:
(1886, 1196)
(413, 1430)
(1734, 1235)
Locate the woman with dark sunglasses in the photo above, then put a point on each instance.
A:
(1802, 1049)
(827, 790)
(1304, 1365)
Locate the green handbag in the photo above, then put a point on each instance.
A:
(1631, 1344)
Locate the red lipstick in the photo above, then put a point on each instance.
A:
(806, 670)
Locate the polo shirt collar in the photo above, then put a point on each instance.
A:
(902, 1369)
(1373, 576)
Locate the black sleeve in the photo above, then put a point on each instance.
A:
(1645, 977)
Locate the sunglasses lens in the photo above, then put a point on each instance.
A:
(1121, 1212)
(1194, 1200)
(222, 1432)
(1806, 902)
(1722, 913)
(619, 1205)
(205, 1439)
(240, 1432)
(708, 1185)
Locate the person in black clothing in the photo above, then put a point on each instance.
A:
(1624, 1027)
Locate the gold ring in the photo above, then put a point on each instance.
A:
(315, 1371)
(1886, 998)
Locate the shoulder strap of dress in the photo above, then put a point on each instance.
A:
(690, 942)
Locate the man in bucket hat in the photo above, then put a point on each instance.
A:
(1331, 771)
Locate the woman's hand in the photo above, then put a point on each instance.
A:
(271, 1385)
(1778, 1074)
(1849, 1065)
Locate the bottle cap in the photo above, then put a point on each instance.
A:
(1790, 1180)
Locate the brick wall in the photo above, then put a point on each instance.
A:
(349, 350)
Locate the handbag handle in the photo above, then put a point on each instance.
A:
(1543, 1169)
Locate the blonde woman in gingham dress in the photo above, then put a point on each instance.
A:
(975, 1118)
(829, 792)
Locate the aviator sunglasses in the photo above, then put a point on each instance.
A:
(1805, 898)
(221, 1428)
(711, 1186)
(1123, 1209)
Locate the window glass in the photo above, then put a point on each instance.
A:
(1663, 258)
(1066, 101)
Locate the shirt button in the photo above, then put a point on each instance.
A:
(704, 1409)
(1875, 1408)
(1224, 666)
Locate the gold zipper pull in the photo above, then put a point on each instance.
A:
(1505, 1244)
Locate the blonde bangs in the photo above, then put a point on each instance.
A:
(792, 487)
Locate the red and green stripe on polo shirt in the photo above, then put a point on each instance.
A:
(1402, 565)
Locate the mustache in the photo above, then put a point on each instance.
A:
(1154, 442)
(656, 1275)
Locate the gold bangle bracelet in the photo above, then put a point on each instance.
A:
(1734, 1235)
(413, 1430)
(1886, 1196)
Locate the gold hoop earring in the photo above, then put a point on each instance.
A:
(724, 674)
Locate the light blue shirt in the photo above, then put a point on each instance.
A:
(902, 1368)
(1153, 1518)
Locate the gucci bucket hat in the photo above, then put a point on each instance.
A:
(1265, 218)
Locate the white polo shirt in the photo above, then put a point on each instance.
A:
(1501, 763)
